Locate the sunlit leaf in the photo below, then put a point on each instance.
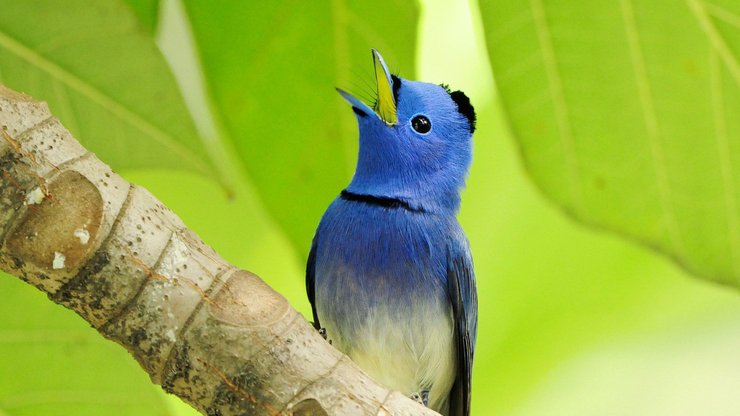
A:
(551, 290)
(272, 67)
(625, 114)
(53, 363)
(103, 77)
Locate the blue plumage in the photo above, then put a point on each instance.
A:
(390, 275)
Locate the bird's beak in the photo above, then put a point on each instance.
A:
(355, 102)
(385, 106)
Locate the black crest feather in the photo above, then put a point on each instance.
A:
(396, 86)
(464, 107)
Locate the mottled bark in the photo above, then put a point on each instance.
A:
(214, 335)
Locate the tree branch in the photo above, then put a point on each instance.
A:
(214, 335)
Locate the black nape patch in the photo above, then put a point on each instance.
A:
(464, 107)
(396, 87)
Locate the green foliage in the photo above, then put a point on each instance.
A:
(53, 363)
(102, 75)
(566, 313)
(271, 66)
(554, 294)
(624, 112)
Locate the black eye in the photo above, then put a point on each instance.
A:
(421, 124)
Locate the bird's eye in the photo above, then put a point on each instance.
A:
(421, 124)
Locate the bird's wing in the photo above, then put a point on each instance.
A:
(464, 300)
(311, 280)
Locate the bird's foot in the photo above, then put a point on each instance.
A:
(322, 332)
(421, 397)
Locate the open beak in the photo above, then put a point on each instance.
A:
(385, 106)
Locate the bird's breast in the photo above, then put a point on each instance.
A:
(381, 294)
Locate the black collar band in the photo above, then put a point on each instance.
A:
(380, 201)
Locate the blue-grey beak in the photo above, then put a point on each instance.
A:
(356, 104)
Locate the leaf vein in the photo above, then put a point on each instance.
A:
(715, 39)
(560, 106)
(98, 97)
(723, 14)
(652, 126)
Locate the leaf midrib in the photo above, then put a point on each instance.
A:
(560, 107)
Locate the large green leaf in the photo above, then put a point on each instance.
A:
(103, 77)
(53, 363)
(551, 291)
(271, 68)
(624, 111)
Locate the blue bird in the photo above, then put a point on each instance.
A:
(390, 275)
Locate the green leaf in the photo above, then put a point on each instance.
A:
(55, 364)
(624, 112)
(147, 11)
(271, 68)
(551, 291)
(103, 77)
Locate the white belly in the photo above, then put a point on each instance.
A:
(408, 353)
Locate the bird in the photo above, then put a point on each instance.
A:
(390, 274)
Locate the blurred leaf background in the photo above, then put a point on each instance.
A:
(619, 112)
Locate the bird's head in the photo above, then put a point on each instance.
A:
(415, 142)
